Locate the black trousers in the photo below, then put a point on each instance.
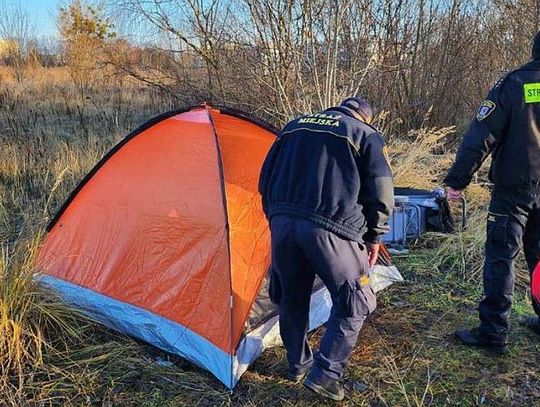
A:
(513, 219)
(301, 250)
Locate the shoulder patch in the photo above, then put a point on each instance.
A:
(486, 108)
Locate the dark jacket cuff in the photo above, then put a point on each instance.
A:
(372, 237)
(456, 182)
(454, 186)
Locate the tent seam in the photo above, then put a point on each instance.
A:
(227, 231)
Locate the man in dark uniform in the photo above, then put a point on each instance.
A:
(507, 126)
(327, 191)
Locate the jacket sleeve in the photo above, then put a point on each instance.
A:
(266, 173)
(482, 137)
(377, 189)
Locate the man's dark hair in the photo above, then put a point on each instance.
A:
(360, 107)
(536, 47)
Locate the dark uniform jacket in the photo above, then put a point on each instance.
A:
(507, 125)
(330, 168)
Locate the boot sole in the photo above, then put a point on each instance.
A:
(496, 349)
(314, 387)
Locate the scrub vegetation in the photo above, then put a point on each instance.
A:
(59, 115)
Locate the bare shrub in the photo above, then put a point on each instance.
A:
(84, 30)
(17, 39)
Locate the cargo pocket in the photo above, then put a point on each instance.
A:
(370, 299)
(496, 229)
(356, 300)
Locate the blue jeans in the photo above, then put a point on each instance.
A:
(300, 251)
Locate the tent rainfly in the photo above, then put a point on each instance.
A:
(165, 240)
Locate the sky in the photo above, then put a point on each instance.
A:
(43, 14)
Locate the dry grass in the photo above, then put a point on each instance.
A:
(419, 159)
(50, 136)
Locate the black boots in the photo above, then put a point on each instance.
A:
(533, 323)
(474, 337)
(330, 389)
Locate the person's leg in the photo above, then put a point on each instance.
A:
(296, 282)
(506, 222)
(340, 264)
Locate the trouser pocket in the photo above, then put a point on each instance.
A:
(496, 229)
(356, 299)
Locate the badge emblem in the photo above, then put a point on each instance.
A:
(486, 108)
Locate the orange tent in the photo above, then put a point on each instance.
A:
(165, 240)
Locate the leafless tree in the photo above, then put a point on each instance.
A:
(18, 34)
(283, 57)
(195, 33)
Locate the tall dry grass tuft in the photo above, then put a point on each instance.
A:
(462, 253)
(49, 353)
(21, 340)
(27, 317)
(419, 159)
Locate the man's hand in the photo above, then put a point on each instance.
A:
(453, 195)
(372, 252)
